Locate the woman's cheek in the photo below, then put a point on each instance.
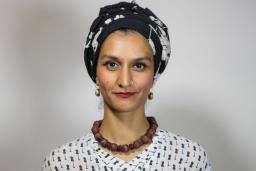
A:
(106, 81)
(145, 81)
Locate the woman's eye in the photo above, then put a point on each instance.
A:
(139, 66)
(111, 65)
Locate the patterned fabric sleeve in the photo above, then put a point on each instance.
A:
(52, 161)
(199, 158)
(47, 164)
(187, 154)
(205, 162)
(209, 167)
(202, 158)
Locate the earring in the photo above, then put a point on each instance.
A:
(150, 95)
(97, 92)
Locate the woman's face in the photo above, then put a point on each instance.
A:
(125, 71)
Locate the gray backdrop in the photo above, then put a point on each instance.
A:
(207, 93)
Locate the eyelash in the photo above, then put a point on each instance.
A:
(109, 63)
(141, 64)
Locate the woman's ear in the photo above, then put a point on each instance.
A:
(97, 81)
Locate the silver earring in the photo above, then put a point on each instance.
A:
(97, 92)
(150, 95)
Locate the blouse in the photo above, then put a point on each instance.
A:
(166, 152)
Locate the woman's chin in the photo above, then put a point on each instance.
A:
(124, 107)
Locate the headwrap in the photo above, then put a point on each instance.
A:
(130, 16)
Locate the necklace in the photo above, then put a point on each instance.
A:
(144, 139)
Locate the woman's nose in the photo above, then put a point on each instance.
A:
(124, 77)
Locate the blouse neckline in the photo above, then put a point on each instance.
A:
(112, 160)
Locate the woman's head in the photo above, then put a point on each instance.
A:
(125, 70)
(131, 16)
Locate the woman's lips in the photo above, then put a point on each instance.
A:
(124, 94)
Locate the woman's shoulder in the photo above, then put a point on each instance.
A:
(178, 140)
(184, 150)
(55, 158)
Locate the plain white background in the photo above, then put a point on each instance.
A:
(207, 92)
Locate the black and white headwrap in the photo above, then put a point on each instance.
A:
(128, 15)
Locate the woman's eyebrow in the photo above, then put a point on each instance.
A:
(118, 59)
(110, 57)
(144, 58)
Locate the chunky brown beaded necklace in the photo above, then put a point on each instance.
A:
(144, 139)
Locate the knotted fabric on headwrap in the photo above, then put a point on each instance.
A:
(130, 16)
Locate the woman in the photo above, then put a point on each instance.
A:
(126, 51)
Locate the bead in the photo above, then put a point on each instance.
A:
(95, 129)
(97, 123)
(140, 141)
(136, 144)
(154, 126)
(98, 137)
(145, 139)
(103, 143)
(130, 146)
(113, 147)
(150, 133)
(125, 148)
(108, 145)
(119, 147)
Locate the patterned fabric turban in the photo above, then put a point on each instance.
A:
(129, 16)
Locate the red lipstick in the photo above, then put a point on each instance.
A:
(124, 94)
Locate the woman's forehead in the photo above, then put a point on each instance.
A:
(121, 44)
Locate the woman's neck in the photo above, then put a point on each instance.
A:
(123, 127)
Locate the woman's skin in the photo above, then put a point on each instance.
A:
(125, 64)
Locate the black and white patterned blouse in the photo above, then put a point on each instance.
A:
(167, 152)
